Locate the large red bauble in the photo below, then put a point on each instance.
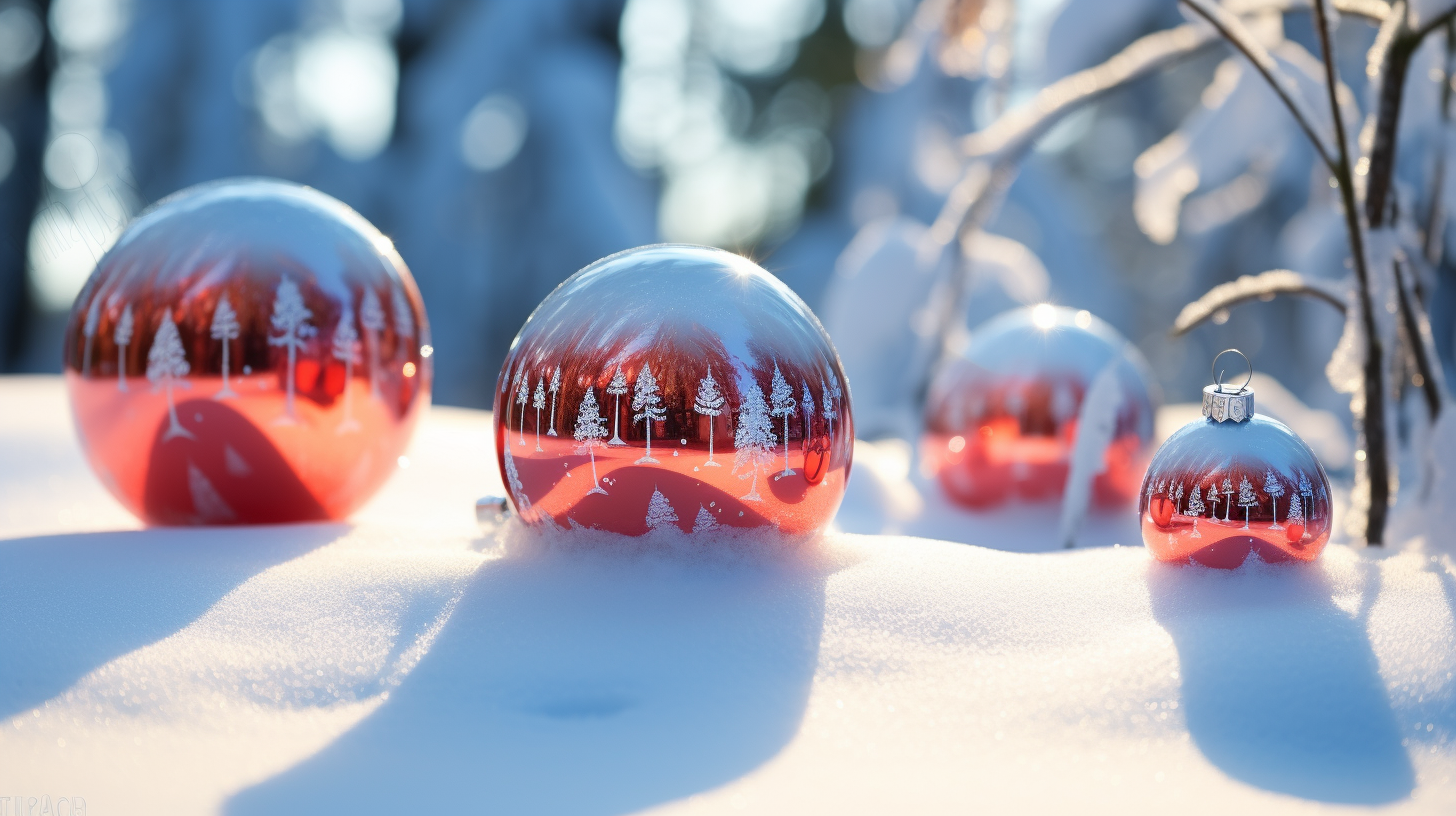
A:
(1235, 487)
(673, 387)
(1002, 416)
(250, 351)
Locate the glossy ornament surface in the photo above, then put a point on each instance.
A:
(673, 387)
(1002, 417)
(1232, 483)
(250, 351)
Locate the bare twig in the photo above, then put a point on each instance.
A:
(1389, 59)
(1418, 334)
(1435, 228)
(1019, 129)
(1264, 286)
(1373, 386)
(903, 55)
(1373, 10)
(1233, 30)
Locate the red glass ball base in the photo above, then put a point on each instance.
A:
(1226, 545)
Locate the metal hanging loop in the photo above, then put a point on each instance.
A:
(1218, 375)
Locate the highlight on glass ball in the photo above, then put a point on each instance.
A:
(1003, 416)
(250, 351)
(1232, 484)
(674, 387)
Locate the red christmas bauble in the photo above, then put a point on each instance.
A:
(250, 351)
(1236, 483)
(673, 387)
(1003, 416)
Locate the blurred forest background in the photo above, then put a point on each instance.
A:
(505, 144)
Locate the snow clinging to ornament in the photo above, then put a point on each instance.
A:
(673, 387)
(250, 351)
(1010, 416)
(1234, 483)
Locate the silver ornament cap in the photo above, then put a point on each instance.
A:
(1224, 403)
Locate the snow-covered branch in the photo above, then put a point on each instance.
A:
(1239, 36)
(1264, 286)
(1014, 133)
(1374, 10)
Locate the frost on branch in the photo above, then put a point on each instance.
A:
(1010, 263)
(1095, 428)
(1231, 146)
(1315, 125)
(1014, 133)
(1264, 287)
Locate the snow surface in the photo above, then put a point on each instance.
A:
(402, 663)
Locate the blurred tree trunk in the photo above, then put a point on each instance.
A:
(24, 114)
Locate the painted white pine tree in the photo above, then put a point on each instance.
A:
(166, 364)
(88, 329)
(513, 481)
(647, 401)
(1178, 499)
(659, 511)
(1213, 499)
(1306, 491)
(591, 429)
(346, 349)
(836, 400)
(1295, 517)
(538, 401)
(1228, 498)
(290, 317)
(709, 403)
(225, 328)
(1247, 499)
(523, 395)
(704, 522)
(1196, 508)
(404, 320)
(1274, 489)
(511, 394)
(555, 387)
(807, 406)
(781, 398)
(123, 339)
(827, 403)
(371, 317)
(617, 387)
(754, 440)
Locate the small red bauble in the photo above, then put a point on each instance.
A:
(250, 351)
(1233, 483)
(1002, 417)
(673, 387)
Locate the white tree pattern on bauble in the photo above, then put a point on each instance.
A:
(225, 329)
(591, 428)
(659, 511)
(290, 317)
(781, 397)
(1247, 499)
(371, 317)
(166, 364)
(647, 401)
(1274, 488)
(346, 349)
(754, 440)
(555, 387)
(709, 403)
(123, 339)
